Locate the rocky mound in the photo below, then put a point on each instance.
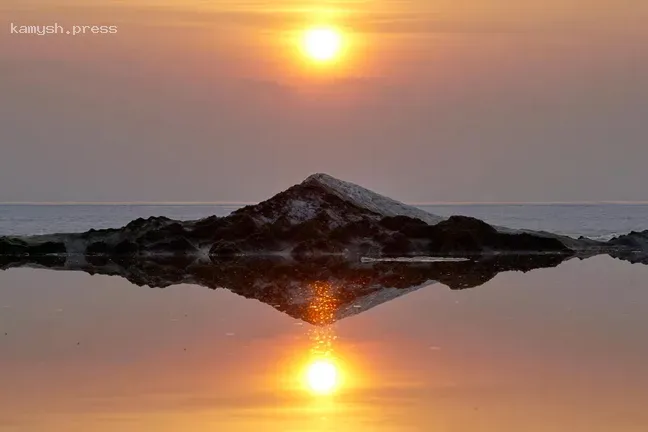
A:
(321, 216)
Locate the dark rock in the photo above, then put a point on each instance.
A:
(176, 246)
(206, 229)
(11, 246)
(97, 260)
(363, 229)
(633, 241)
(238, 227)
(48, 248)
(154, 222)
(465, 224)
(316, 248)
(94, 234)
(401, 223)
(136, 224)
(225, 249)
(312, 229)
(174, 228)
(50, 261)
(125, 248)
(151, 237)
(528, 243)
(98, 248)
(152, 234)
(304, 250)
(461, 234)
(398, 245)
(366, 250)
(263, 240)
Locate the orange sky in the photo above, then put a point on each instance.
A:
(385, 35)
(198, 87)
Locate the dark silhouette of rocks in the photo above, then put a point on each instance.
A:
(318, 291)
(322, 216)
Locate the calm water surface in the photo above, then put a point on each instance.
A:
(552, 350)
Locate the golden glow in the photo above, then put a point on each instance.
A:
(322, 44)
(322, 307)
(322, 373)
(322, 377)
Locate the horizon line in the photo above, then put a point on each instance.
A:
(245, 203)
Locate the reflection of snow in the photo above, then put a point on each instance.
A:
(377, 298)
(414, 259)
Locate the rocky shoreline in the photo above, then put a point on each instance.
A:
(322, 216)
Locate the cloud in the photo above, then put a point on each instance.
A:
(273, 19)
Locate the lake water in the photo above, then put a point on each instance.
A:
(551, 350)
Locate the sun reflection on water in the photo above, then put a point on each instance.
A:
(323, 373)
(322, 376)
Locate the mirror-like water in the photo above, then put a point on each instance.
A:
(554, 349)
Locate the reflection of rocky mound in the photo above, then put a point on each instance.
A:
(632, 247)
(321, 216)
(319, 291)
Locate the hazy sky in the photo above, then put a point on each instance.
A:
(447, 100)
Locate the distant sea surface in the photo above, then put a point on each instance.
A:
(591, 220)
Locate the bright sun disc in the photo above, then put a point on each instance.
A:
(322, 44)
(322, 377)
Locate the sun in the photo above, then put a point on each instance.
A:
(322, 377)
(322, 44)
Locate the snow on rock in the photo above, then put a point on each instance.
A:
(370, 200)
(421, 259)
(301, 210)
(298, 205)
